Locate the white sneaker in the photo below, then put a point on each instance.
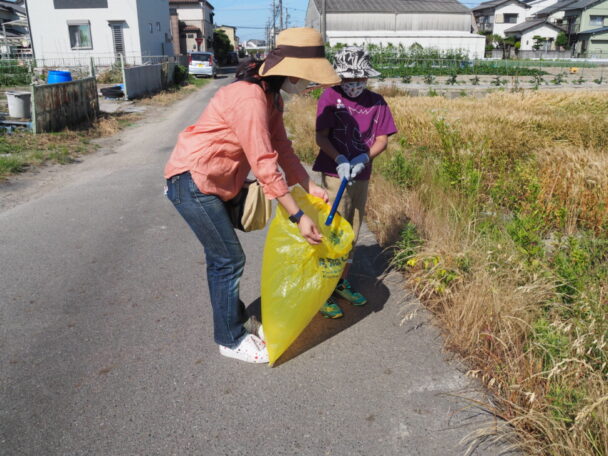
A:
(251, 349)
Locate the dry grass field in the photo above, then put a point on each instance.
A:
(497, 209)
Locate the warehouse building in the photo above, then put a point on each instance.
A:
(439, 24)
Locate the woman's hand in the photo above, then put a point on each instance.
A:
(309, 230)
(317, 191)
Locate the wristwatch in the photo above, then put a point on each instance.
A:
(295, 218)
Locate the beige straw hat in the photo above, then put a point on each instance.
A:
(300, 53)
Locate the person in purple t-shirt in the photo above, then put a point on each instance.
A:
(353, 126)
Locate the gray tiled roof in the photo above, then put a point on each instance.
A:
(393, 6)
(560, 5)
(527, 25)
(581, 4)
(594, 31)
(494, 3)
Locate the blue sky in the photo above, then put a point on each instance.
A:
(255, 13)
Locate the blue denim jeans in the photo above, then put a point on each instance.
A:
(208, 218)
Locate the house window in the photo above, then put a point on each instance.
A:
(151, 27)
(158, 26)
(597, 20)
(511, 18)
(73, 4)
(80, 35)
(118, 39)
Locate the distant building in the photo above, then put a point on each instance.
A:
(100, 28)
(15, 37)
(231, 33)
(588, 27)
(439, 24)
(255, 45)
(496, 16)
(192, 22)
(527, 30)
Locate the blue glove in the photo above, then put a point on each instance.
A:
(358, 165)
(343, 168)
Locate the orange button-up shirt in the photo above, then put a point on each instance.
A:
(240, 130)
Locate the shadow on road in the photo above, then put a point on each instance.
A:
(226, 71)
(366, 275)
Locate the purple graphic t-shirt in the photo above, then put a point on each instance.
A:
(353, 124)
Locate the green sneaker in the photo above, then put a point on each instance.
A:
(345, 290)
(331, 309)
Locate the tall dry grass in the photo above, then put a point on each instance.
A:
(508, 198)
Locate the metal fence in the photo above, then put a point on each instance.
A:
(16, 72)
(548, 55)
(406, 63)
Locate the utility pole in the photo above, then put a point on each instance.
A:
(29, 30)
(323, 21)
(274, 22)
(281, 14)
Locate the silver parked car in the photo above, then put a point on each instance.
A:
(203, 64)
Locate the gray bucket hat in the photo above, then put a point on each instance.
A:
(353, 62)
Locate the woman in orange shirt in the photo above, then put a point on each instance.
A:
(242, 130)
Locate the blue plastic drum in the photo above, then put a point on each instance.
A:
(55, 77)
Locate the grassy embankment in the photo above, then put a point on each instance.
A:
(22, 150)
(499, 210)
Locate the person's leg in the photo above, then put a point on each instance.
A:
(354, 211)
(331, 309)
(208, 219)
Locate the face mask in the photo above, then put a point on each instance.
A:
(290, 87)
(353, 89)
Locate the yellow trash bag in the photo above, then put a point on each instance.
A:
(297, 278)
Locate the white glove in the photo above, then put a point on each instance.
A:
(358, 164)
(343, 168)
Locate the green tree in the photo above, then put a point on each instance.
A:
(539, 42)
(221, 45)
(504, 43)
(562, 40)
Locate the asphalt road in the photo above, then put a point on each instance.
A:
(106, 345)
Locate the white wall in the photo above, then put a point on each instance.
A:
(527, 40)
(50, 28)
(557, 15)
(509, 8)
(471, 44)
(399, 22)
(199, 17)
(193, 13)
(155, 12)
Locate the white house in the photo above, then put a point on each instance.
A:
(439, 24)
(496, 16)
(522, 20)
(195, 19)
(79, 29)
(526, 31)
